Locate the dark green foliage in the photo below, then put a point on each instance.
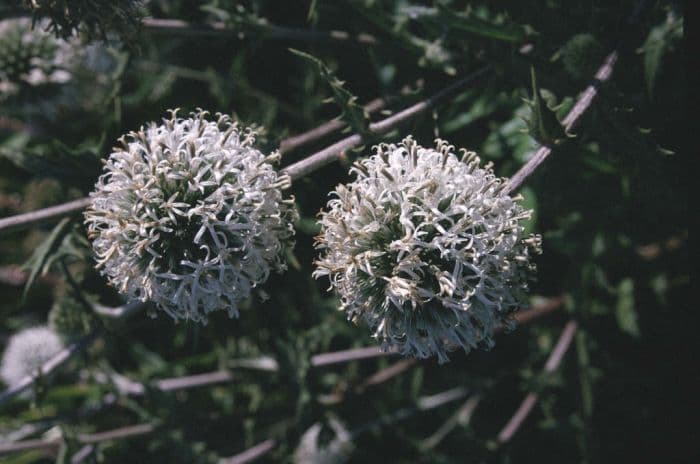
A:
(581, 56)
(661, 40)
(94, 18)
(352, 113)
(611, 204)
(542, 123)
(71, 319)
(61, 243)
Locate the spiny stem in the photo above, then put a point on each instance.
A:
(461, 417)
(129, 387)
(115, 434)
(333, 152)
(21, 221)
(571, 119)
(356, 354)
(423, 404)
(251, 454)
(222, 376)
(553, 362)
(296, 170)
(294, 142)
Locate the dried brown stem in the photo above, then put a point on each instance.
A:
(296, 170)
(129, 387)
(251, 454)
(292, 143)
(425, 403)
(332, 153)
(461, 417)
(21, 221)
(116, 434)
(356, 354)
(553, 362)
(571, 119)
(194, 381)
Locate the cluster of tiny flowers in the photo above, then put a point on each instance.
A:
(30, 57)
(27, 351)
(189, 215)
(427, 249)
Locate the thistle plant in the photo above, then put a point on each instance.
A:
(189, 215)
(43, 77)
(29, 57)
(427, 249)
(27, 351)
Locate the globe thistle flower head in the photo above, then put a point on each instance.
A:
(29, 57)
(27, 351)
(426, 249)
(188, 214)
(46, 80)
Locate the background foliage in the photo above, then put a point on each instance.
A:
(610, 204)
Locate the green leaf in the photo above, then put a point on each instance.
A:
(660, 40)
(308, 226)
(446, 18)
(312, 14)
(55, 158)
(529, 202)
(354, 114)
(504, 32)
(624, 310)
(542, 123)
(509, 140)
(292, 259)
(46, 253)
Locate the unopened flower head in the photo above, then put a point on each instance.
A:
(426, 248)
(30, 57)
(336, 451)
(69, 318)
(27, 351)
(189, 215)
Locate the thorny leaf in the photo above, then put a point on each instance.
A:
(59, 244)
(354, 114)
(542, 123)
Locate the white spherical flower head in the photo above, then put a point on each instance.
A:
(30, 56)
(427, 249)
(27, 351)
(190, 216)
